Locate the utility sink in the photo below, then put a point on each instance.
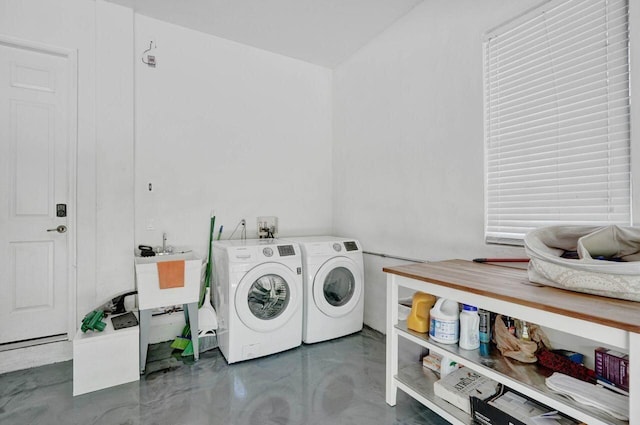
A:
(147, 280)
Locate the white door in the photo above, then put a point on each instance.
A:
(37, 95)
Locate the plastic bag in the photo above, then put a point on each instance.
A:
(510, 346)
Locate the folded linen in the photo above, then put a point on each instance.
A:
(617, 405)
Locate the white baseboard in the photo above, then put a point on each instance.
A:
(37, 355)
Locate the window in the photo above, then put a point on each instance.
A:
(557, 136)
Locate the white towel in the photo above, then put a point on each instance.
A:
(617, 405)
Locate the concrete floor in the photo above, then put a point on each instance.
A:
(334, 382)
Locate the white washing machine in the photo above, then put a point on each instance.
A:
(333, 282)
(257, 296)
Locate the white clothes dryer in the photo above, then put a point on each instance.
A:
(257, 296)
(333, 270)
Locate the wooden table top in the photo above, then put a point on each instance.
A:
(512, 285)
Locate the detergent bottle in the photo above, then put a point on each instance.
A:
(418, 319)
(469, 328)
(445, 325)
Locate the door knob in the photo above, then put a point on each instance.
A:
(60, 229)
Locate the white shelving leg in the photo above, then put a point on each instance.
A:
(634, 378)
(192, 317)
(144, 320)
(392, 340)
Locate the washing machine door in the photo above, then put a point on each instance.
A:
(267, 297)
(337, 286)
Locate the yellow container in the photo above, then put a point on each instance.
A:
(418, 319)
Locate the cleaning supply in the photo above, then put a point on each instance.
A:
(484, 327)
(208, 324)
(469, 328)
(207, 317)
(418, 319)
(447, 366)
(445, 325)
(180, 343)
(184, 343)
(207, 273)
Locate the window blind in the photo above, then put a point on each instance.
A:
(557, 132)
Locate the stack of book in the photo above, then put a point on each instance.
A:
(459, 385)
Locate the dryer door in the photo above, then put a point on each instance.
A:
(267, 297)
(337, 286)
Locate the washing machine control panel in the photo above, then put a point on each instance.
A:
(351, 246)
(268, 252)
(286, 250)
(337, 247)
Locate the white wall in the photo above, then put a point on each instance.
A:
(408, 140)
(114, 150)
(224, 126)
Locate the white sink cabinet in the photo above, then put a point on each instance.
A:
(151, 296)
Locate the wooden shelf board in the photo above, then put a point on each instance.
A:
(512, 285)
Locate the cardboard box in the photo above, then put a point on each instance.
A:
(459, 385)
(432, 361)
(613, 366)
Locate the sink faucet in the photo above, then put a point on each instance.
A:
(164, 243)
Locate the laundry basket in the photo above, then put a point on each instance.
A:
(607, 263)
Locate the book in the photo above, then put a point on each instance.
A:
(606, 384)
(457, 387)
(612, 367)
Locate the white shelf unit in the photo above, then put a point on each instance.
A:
(503, 290)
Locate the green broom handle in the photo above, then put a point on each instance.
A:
(207, 278)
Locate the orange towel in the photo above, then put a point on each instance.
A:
(171, 274)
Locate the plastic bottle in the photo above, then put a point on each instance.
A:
(469, 328)
(522, 330)
(445, 325)
(485, 326)
(418, 319)
(510, 324)
(447, 366)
